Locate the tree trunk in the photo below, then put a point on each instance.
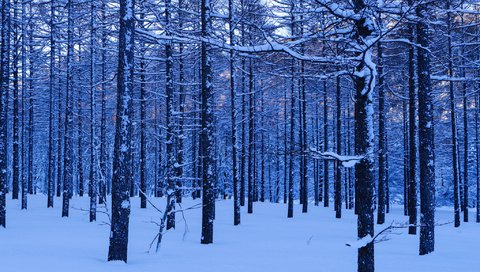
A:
(68, 125)
(456, 201)
(426, 134)
(122, 176)
(382, 145)
(233, 113)
(207, 139)
(4, 82)
(93, 124)
(412, 127)
(338, 165)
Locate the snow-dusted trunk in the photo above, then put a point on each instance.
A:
(68, 124)
(51, 84)
(465, 131)
(93, 185)
(292, 142)
(24, 91)
(285, 146)
(262, 147)
(453, 123)
(405, 154)
(426, 138)
(382, 145)
(207, 132)
(60, 122)
(122, 176)
(4, 82)
(477, 154)
(179, 169)
(292, 118)
(303, 124)
(364, 82)
(244, 134)
(30, 132)
(251, 163)
(316, 163)
(103, 119)
(16, 114)
(277, 165)
(79, 135)
(326, 182)
(351, 187)
(170, 137)
(338, 165)
(412, 140)
(143, 117)
(233, 113)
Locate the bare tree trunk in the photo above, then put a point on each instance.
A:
(426, 136)
(122, 176)
(51, 156)
(338, 166)
(453, 121)
(4, 81)
(93, 134)
(382, 144)
(207, 139)
(68, 125)
(412, 178)
(233, 113)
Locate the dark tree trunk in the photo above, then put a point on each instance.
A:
(412, 142)
(23, 112)
(236, 199)
(426, 136)
(30, 132)
(68, 124)
(455, 163)
(122, 176)
(207, 139)
(103, 118)
(292, 143)
(251, 163)
(16, 117)
(477, 154)
(143, 118)
(51, 156)
(285, 147)
(406, 155)
(382, 145)
(4, 81)
(326, 194)
(364, 140)
(93, 184)
(338, 165)
(170, 139)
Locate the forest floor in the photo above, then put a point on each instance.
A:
(40, 240)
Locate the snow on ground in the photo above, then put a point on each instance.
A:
(40, 240)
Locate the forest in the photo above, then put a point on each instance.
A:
(288, 125)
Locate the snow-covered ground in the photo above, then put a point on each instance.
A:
(40, 240)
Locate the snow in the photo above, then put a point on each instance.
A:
(40, 240)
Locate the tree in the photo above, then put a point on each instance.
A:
(206, 137)
(122, 176)
(236, 198)
(51, 156)
(453, 120)
(412, 142)
(68, 125)
(4, 82)
(93, 185)
(425, 135)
